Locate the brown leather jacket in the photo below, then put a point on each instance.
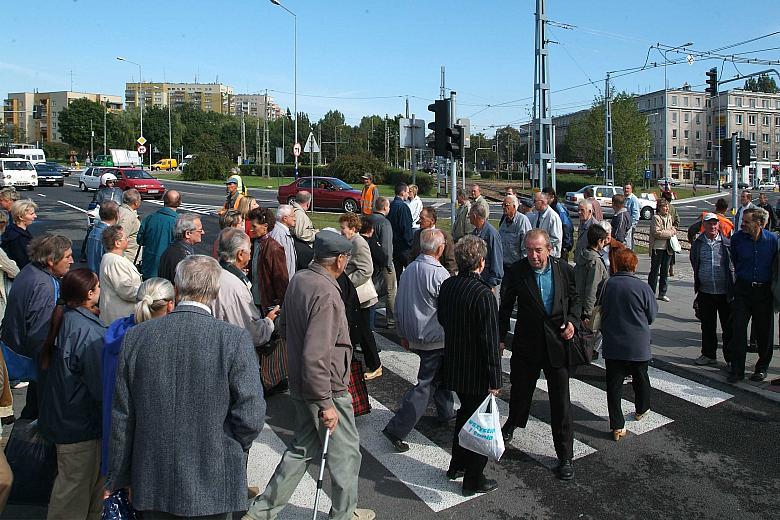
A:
(271, 272)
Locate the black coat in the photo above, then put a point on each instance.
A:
(15, 242)
(175, 253)
(467, 310)
(537, 337)
(352, 308)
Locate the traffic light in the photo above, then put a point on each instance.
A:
(457, 138)
(36, 111)
(747, 152)
(725, 153)
(440, 125)
(712, 82)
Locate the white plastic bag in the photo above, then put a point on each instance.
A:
(482, 432)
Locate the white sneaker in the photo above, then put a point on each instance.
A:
(363, 514)
(664, 298)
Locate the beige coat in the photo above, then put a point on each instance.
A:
(128, 219)
(462, 225)
(304, 228)
(314, 323)
(661, 230)
(360, 268)
(235, 306)
(119, 282)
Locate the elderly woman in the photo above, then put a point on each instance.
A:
(17, 236)
(468, 312)
(119, 279)
(661, 230)
(155, 298)
(71, 396)
(628, 309)
(268, 270)
(359, 270)
(8, 271)
(590, 272)
(415, 205)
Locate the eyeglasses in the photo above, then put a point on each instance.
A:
(196, 230)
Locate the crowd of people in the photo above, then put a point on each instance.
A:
(149, 368)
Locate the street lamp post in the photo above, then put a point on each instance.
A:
(295, 73)
(666, 110)
(140, 90)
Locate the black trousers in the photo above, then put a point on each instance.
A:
(399, 263)
(617, 370)
(462, 459)
(30, 410)
(711, 308)
(523, 378)
(367, 341)
(659, 265)
(752, 303)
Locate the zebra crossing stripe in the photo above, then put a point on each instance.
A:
(535, 439)
(691, 391)
(264, 455)
(202, 209)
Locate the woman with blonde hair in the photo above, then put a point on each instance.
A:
(415, 205)
(245, 205)
(154, 299)
(17, 237)
(8, 271)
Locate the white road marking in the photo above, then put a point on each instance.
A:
(202, 209)
(691, 391)
(535, 439)
(72, 206)
(72, 185)
(41, 195)
(264, 455)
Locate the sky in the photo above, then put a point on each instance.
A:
(367, 57)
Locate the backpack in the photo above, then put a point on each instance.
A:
(568, 227)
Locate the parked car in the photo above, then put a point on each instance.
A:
(767, 186)
(740, 185)
(646, 205)
(64, 170)
(19, 173)
(165, 164)
(49, 175)
(328, 193)
(603, 194)
(666, 180)
(103, 160)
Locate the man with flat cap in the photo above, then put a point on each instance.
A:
(319, 352)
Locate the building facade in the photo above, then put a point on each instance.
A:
(209, 97)
(254, 104)
(36, 114)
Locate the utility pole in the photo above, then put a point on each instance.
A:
(319, 138)
(545, 153)
(91, 142)
(105, 114)
(387, 143)
(266, 139)
(609, 172)
(243, 139)
(454, 171)
(258, 158)
(441, 88)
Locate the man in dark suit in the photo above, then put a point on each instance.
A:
(188, 404)
(400, 218)
(467, 310)
(189, 231)
(543, 289)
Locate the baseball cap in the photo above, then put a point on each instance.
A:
(367, 176)
(709, 216)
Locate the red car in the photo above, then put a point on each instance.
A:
(328, 193)
(139, 179)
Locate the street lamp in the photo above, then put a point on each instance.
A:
(140, 88)
(295, 73)
(666, 111)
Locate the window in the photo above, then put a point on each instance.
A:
(777, 121)
(752, 103)
(777, 105)
(709, 154)
(752, 119)
(709, 136)
(766, 154)
(738, 101)
(674, 117)
(686, 117)
(765, 121)
(753, 136)
(686, 134)
(674, 150)
(697, 101)
(709, 120)
(685, 150)
(764, 103)
(777, 156)
(698, 119)
(698, 135)
(738, 119)
(685, 101)
(777, 138)
(765, 138)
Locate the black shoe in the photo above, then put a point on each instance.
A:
(507, 431)
(758, 376)
(734, 378)
(775, 382)
(455, 474)
(752, 347)
(485, 486)
(7, 420)
(565, 470)
(399, 445)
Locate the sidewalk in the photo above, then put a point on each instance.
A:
(677, 333)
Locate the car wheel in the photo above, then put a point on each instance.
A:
(646, 213)
(82, 186)
(290, 200)
(158, 197)
(62, 184)
(350, 205)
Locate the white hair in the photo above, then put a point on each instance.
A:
(284, 210)
(152, 295)
(586, 204)
(431, 240)
(513, 200)
(184, 222)
(197, 279)
(230, 242)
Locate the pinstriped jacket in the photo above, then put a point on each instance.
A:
(468, 311)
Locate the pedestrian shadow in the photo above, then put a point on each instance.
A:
(678, 319)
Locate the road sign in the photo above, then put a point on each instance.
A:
(412, 133)
(297, 149)
(279, 155)
(141, 149)
(466, 124)
(311, 144)
(141, 140)
(648, 174)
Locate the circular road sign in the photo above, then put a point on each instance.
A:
(141, 149)
(297, 149)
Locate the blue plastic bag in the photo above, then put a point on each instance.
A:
(117, 507)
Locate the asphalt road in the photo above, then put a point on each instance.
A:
(707, 451)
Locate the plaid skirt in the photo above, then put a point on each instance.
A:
(358, 389)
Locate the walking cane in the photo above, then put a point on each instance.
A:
(322, 473)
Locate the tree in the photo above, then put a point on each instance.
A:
(630, 138)
(74, 123)
(763, 84)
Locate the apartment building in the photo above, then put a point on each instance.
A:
(19, 109)
(254, 104)
(209, 97)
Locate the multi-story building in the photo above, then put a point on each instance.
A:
(253, 105)
(209, 97)
(36, 114)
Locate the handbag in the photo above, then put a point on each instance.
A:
(358, 389)
(273, 365)
(117, 507)
(304, 253)
(582, 345)
(482, 432)
(674, 244)
(33, 461)
(366, 292)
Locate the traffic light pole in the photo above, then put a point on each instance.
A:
(734, 180)
(454, 172)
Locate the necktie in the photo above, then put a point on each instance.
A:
(538, 219)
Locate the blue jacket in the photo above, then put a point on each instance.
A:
(494, 263)
(400, 218)
(95, 247)
(70, 389)
(155, 235)
(567, 225)
(112, 345)
(628, 308)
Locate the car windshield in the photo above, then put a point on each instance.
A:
(45, 168)
(137, 174)
(339, 184)
(17, 165)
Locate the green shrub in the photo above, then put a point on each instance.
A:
(424, 181)
(282, 170)
(349, 168)
(207, 166)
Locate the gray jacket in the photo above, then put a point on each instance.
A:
(589, 275)
(513, 237)
(188, 403)
(416, 303)
(462, 226)
(383, 231)
(582, 238)
(360, 268)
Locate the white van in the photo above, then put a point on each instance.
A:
(18, 173)
(34, 155)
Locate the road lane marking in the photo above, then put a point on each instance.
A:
(535, 439)
(202, 209)
(691, 391)
(41, 195)
(72, 185)
(72, 206)
(264, 455)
